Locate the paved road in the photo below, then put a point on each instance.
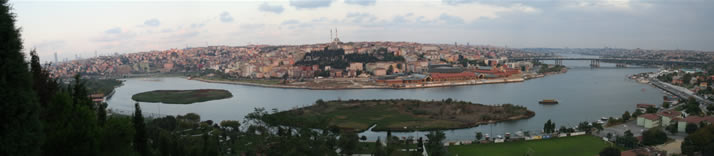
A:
(682, 93)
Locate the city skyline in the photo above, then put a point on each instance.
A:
(80, 28)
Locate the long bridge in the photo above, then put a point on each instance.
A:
(595, 62)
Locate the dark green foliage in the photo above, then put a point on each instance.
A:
(378, 149)
(337, 58)
(692, 106)
(21, 129)
(628, 141)
(672, 128)
(653, 136)
(74, 129)
(140, 143)
(610, 151)
(701, 141)
(348, 143)
(691, 128)
(117, 136)
(549, 127)
(103, 86)
(626, 116)
(102, 114)
(435, 146)
(651, 109)
(182, 96)
(479, 135)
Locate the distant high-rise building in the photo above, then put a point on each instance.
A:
(56, 58)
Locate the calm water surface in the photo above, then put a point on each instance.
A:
(584, 94)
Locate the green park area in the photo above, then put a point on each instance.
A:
(181, 96)
(398, 115)
(572, 146)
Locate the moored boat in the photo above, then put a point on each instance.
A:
(548, 101)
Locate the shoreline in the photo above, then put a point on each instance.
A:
(413, 86)
(520, 117)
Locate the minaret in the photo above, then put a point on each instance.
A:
(337, 35)
(330, 35)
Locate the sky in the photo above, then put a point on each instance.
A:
(83, 28)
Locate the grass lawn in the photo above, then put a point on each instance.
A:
(181, 96)
(571, 146)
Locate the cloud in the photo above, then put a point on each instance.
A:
(115, 30)
(451, 19)
(310, 4)
(361, 2)
(290, 22)
(226, 17)
(115, 34)
(251, 26)
(455, 2)
(271, 8)
(49, 45)
(357, 17)
(152, 22)
(197, 25)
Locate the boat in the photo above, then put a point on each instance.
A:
(548, 101)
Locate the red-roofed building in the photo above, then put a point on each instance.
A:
(648, 120)
(453, 76)
(668, 116)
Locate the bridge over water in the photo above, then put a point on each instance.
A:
(595, 62)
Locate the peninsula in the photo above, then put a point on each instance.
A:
(181, 96)
(398, 114)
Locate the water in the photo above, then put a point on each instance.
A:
(584, 93)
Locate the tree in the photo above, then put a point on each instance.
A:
(117, 136)
(390, 70)
(435, 146)
(549, 127)
(672, 128)
(637, 113)
(666, 104)
(102, 114)
(610, 151)
(651, 109)
(232, 124)
(653, 136)
(348, 143)
(140, 140)
(21, 132)
(378, 149)
(628, 140)
(479, 135)
(701, 141)
(626, 116)
(585, 126)
(691, 128)
(692, 106)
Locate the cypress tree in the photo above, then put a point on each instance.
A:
(21, 129)
(140, 143)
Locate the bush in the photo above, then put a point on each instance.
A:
(654, 136)
(610, 151)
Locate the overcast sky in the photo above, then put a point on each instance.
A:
(107, 26)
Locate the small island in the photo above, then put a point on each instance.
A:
(182, 96)
(398, 114)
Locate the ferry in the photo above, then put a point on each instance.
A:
(548, 101)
